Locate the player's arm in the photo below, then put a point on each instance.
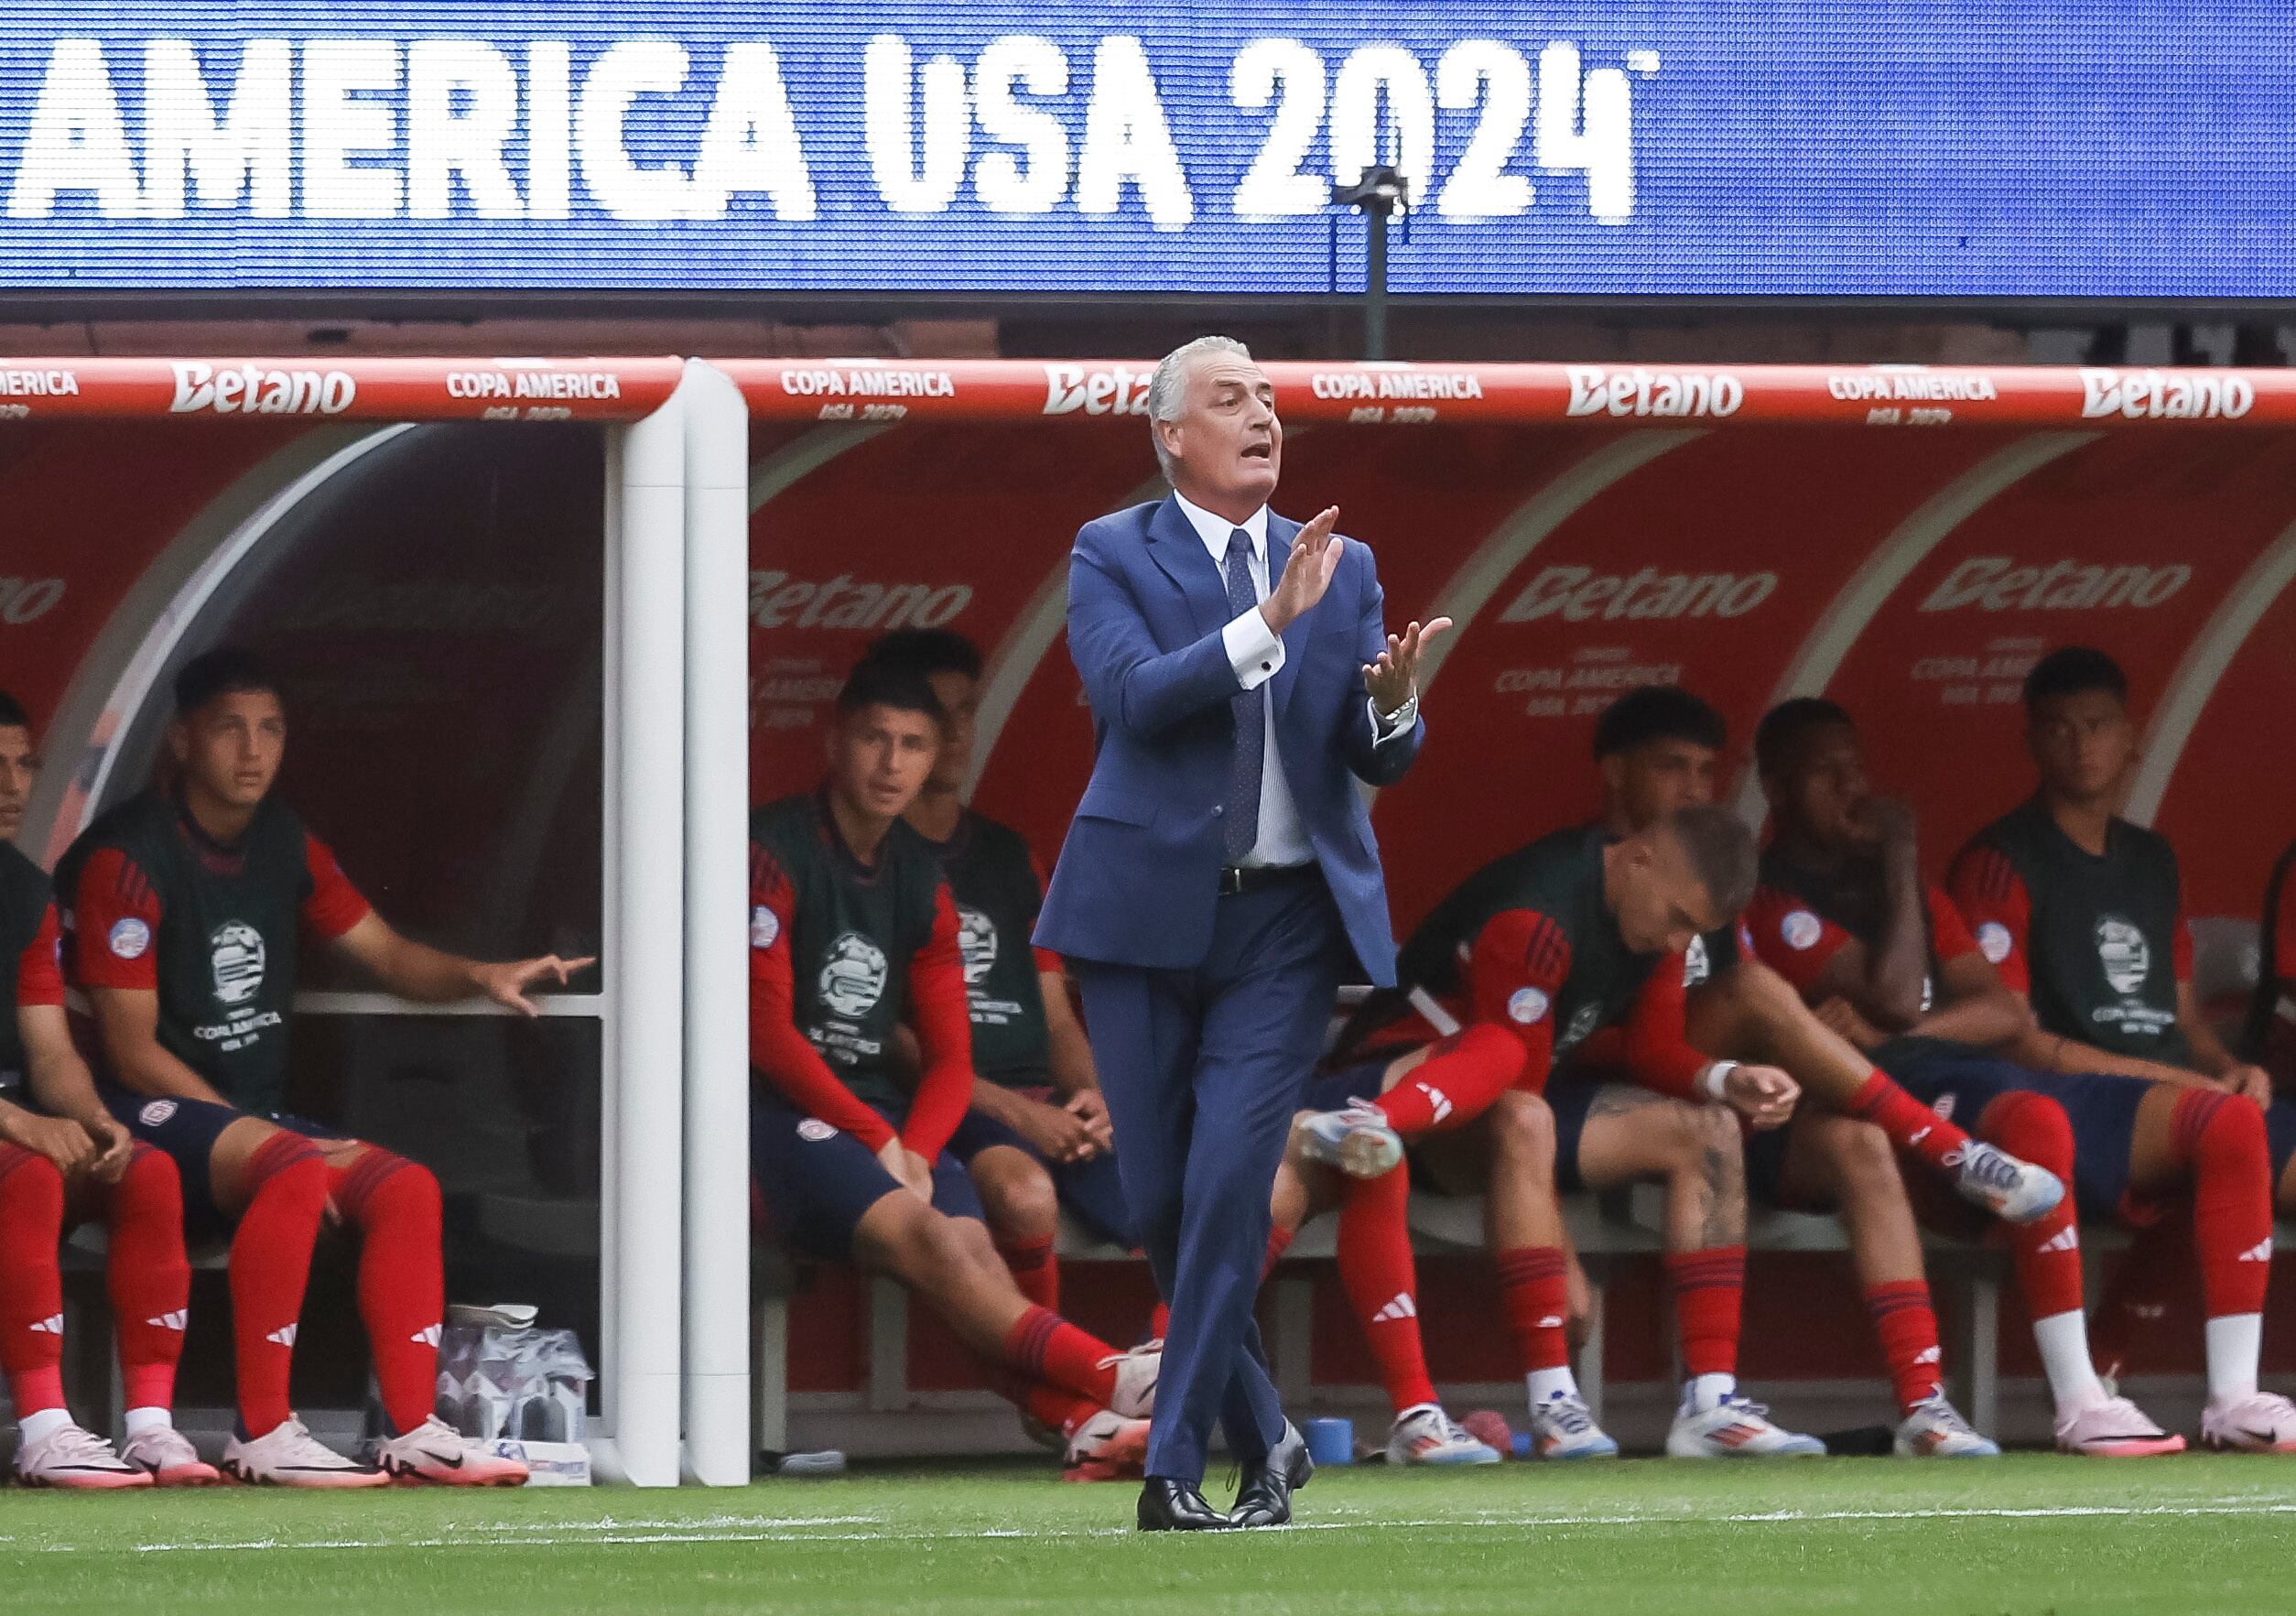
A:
(77, 1132)
(1074, 1073)
(116, 929)
(1992, 900)
(2209, 1051)
(941, 1016)
(336, 912)
(1660, 1056)
(1515, 972)
(1972, 1007)
(780, 1054)
(1893, 970)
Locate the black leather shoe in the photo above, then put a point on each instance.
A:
(1178, 1506)
(1265, 1497)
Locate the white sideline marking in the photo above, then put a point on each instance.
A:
(792, 1529)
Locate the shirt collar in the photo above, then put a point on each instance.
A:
(1213, 530)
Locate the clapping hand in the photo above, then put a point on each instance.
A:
(1392, 680)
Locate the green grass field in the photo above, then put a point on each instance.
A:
(2027, 1533)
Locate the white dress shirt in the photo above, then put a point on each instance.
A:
(1256, 652)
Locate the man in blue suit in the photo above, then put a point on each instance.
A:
(1221, 878)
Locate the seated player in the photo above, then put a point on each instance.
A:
(2270, 1038)
(62, 1159)
(1657, 748)
(853, 930)
(1526, 960)
(2082, 914)
(1845, 916)
(1037, 1136)
(186, 903)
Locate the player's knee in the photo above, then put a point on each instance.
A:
(1713, 1147)
(2033, 1128)
(288, 1169)
(1865, 1164)
(1017, 1194)
(150, 1187)
(1522, 1129)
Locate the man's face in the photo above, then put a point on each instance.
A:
(20, 765)
(1663, 904)
(1644, 784)
(230, 748)
(1227, 446)
(1821, 786)
(2082, 744)
(960, 705)
(880, 758)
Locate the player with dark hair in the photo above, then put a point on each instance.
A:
(1576, 935)
(852, 933)
(185, 907)
(1885, 960)
(2082, 914)
(1037, 1136)
(63, 1158)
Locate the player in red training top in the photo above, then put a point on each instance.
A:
(1845, 916)
(2270, 1038)
(63, 1158)
(1577, 937)
(857, 1154)
(1037, 1138)
(186, 905)
(2083, 914)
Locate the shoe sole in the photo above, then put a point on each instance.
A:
(186, 1476)
(1581, 1456)
(1365, 1153)
(92, 1484)
(2218, 1444)
(349, 1483)
(1488, 1457)
(2134, 1448)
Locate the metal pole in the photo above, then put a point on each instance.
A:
(1375, 284)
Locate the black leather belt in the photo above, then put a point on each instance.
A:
(1237, 878)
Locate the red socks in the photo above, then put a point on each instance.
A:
(1535, 1297)
(1382, 1282)
(1455, 1084)
(1709, 1289)
(271, 1264)
(1035, 1272)
(2034, 1128)
(1909, 1125)
(149, 1277)
(2221, 1138)
(394, 1205)
(1063, 1411)
(1043, 1346)
(1907, 1326)
(31, 1288)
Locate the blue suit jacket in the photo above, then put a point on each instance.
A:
(1139, 874)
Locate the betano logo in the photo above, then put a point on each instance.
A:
(1579, 593)
(1999, 583)
(1597, 391)
(2151, 394)
(1120, 392)
(778, 601)
(247, 390)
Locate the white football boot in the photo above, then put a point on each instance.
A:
(436, 1452)
(289, 1456)
(167, 1455)
(2012, 1190)
(1735, 1428)
(2113, 1427)
(1135, 1394)
(1357, 1141)
(1429, 1436)
(2262, 1422)
(1563, 1428)
(69, 1457)
(1106, 1448)
(1936, 1430)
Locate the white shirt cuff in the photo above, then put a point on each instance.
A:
(1254, 650)
(1405, 717)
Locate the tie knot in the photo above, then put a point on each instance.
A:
(1239, 543)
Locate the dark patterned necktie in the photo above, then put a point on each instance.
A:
(1242, 813)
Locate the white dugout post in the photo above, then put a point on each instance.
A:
(717, 1200)
(641, 1201)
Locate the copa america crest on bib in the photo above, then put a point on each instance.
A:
(977, 940)
(2122, 950)
(854, 979)
(235, 952)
